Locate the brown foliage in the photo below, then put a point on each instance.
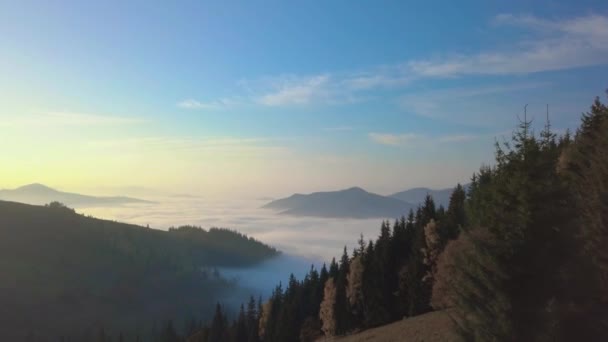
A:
(451, 264)
(311, 330)
(264, 317)
(354, 289)
(446, 274)
(432, 250)
(326, 312)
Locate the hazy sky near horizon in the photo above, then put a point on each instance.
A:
(272, 97)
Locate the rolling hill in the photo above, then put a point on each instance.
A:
(66, 273)
(417, 195)
(39, 194)
(350, 203)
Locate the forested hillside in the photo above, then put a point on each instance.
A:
(520, 256)
(64, 274)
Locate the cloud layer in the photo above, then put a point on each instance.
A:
(417, 140)
(544, 45)
(556, 45)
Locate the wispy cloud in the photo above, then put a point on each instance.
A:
(326, 88)
(417, 140)
(547, 45)
(219, 146)
(380, 77)
(464, 104)
(69, 119)
(457, 138)
(211, 105)
(297, 91)
(559, 44)
(339, 129)
(395, 139)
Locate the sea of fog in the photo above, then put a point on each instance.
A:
(317, 239)
(302, 240)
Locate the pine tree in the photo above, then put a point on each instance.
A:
(584, 164)
(102, 336)
(169, 334)
(241, 326)
(354, 289)
(374, 311)
(341, 306)
(509, 275)
(252, 321)
(455, 217)
(219, 326)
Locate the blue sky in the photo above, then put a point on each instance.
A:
(275, 96)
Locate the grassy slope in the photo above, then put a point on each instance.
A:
(430, 327)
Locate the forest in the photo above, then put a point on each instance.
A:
(65, 275)
(520, 256)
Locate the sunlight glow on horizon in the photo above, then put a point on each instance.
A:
(178, 99)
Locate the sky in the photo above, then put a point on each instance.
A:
(267, 98)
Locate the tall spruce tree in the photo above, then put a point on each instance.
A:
(341, 306)
(219, 326)
(584, 163)
(517, 209)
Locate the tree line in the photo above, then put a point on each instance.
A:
(518, 256)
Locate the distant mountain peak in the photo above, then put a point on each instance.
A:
(355, 189)
(418, 195)
(35, 187)
(39, 194)
(353, 202)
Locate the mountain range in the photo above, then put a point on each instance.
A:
(38, 194)
(417, 195)
(357, 203)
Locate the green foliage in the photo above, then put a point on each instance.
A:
(219, 325)
(64, 270)
(584, 164)
(525, 260)
(519, 256)
(536, 225)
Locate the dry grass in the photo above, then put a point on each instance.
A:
(430, 327)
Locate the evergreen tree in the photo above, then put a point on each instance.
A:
(341, 306)
(102, 336)
(374, 312)
(455, 217)
(511, 271)
(252, 321)
(584, 163)
(219, 326)
(241, 326)
(169, 334)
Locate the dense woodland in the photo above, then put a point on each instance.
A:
(520, 256)
(71, 276)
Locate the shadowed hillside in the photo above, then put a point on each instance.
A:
(39, 194)
(350, 203)
(62, 270)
